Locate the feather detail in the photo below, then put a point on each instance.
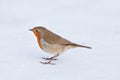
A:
(77, 45)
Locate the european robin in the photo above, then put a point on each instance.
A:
(52, 43)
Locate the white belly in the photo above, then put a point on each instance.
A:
(54, 48)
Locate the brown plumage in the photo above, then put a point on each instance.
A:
(52, 43)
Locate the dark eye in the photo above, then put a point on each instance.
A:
(36, 30)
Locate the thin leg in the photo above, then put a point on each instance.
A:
(50, 60)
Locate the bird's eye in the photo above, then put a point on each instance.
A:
(36, 30)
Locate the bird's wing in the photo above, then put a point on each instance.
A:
(53, 38)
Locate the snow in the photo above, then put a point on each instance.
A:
(89, 22)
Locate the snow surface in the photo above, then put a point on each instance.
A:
(95, 23)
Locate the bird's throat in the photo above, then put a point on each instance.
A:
(38, 39)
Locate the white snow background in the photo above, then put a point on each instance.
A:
(95, 23)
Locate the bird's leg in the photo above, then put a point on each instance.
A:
(50, 60)
(53, 58)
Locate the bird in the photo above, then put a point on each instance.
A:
(52, 43)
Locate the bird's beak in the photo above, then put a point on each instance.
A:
(30, 29)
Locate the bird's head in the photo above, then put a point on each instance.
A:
(36, 31)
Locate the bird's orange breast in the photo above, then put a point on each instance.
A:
(38, 35)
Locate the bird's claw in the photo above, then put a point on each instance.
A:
(47, 63)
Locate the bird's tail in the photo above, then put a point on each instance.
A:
(84, 46)
(77, 45)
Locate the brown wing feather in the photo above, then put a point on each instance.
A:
(53, 38)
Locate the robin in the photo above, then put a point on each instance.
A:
(52, 43)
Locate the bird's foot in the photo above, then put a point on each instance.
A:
(49, 58)
(49, 62)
